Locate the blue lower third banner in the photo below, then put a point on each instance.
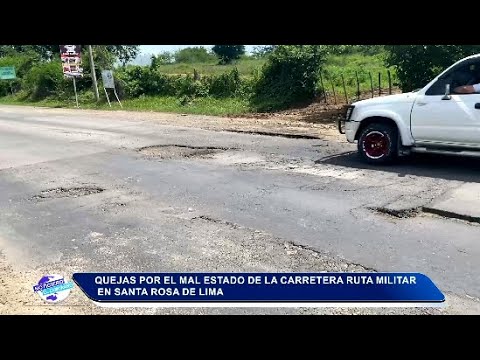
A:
(186, 289)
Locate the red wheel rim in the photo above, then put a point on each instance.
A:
(376, 145)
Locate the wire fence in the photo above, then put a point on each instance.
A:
(334, 89)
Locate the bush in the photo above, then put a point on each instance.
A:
(188, 86)
(193, 55)
(288, 78)
(140, 80)
(46, 79)
(416, 65)
(22, 64)
(225, 85)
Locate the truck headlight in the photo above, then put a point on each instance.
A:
(349, 113)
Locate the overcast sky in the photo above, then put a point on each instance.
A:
(155, 49)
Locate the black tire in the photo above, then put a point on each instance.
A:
(378, 143)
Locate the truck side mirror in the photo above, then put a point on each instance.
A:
(447, 92)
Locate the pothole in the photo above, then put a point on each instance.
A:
(180, 151)
(62, 192)
(216, 221)
(422, 211)
(269, 133)
(451, 215)
(400, 213)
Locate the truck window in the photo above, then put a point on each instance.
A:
(438, 88)
(467, 74)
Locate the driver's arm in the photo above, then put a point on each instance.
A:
(467, 89)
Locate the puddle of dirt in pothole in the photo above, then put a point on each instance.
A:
(67, 192)
(179, 151)
(400, 213)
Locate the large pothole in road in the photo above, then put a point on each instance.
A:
(180, 151)
(62, 192)
(423, 211)
(398, 213)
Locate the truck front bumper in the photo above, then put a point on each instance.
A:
(351, 128)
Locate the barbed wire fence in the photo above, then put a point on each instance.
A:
(333, 87)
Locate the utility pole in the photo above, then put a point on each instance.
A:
(94, 76)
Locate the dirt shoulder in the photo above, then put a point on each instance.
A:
(314, 121)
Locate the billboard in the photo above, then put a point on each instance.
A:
(71, 56)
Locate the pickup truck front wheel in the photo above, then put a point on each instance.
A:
(377, 143)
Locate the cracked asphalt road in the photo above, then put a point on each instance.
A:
(120, 191)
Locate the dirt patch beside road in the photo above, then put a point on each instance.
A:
(315, 121)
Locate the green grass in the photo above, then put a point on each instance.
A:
(207, 106)
(18, 100)
(245, 67)
(204, 106)
(348, 66)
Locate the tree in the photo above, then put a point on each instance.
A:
(416, 65)
(354, 49)
(161, 59)
(197, 54)
(228, 53)
(263, 50)
(123, 53)
(44, 51)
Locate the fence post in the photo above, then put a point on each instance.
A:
(371, 83)
(389, 83)
(344, 89)
(334, 95)
(323, 87)
(358, 85)
(379, 84)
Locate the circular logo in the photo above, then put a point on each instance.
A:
(53, 288)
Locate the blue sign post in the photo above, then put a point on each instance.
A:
(7, 73)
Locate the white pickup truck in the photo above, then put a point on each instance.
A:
(434, 119)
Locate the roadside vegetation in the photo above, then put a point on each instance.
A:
(225, 80)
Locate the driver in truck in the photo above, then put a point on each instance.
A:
(472, 86)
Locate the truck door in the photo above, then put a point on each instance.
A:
(452, 120)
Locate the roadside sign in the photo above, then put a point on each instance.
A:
(109, 83)
(107, 78)
(71, 56)
(7, 73)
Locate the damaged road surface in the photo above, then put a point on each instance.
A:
(91, 191)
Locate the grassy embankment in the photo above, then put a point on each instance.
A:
(334, 67)
(203, 106)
